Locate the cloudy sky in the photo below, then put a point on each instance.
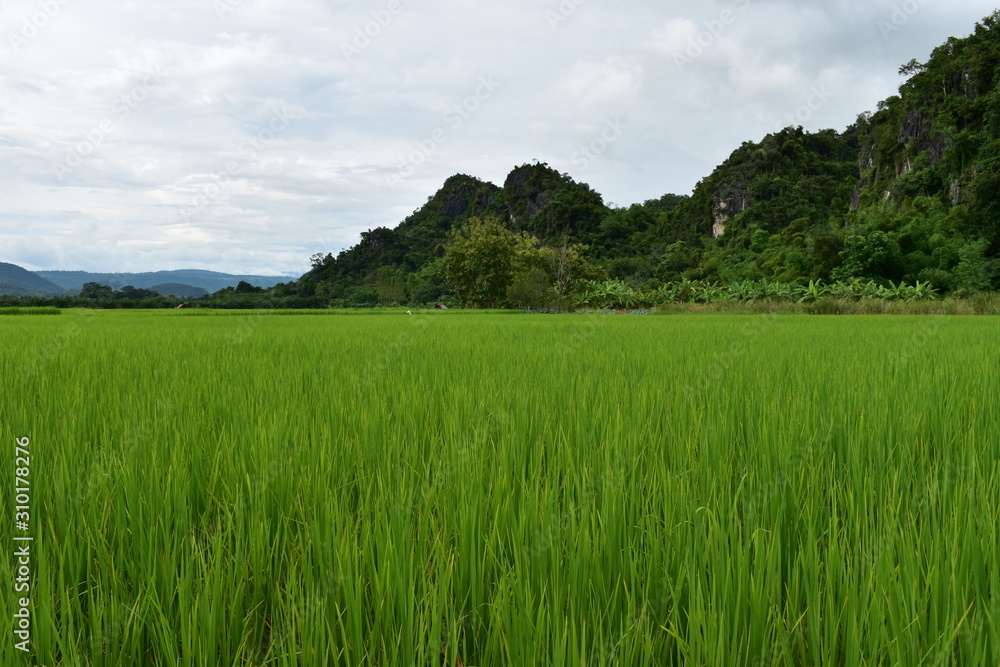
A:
(245, 135)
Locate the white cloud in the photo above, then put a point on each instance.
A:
(613, 80)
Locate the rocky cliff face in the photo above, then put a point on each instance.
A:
(547, 204)
(529, 189)
(917, 128)
(867, 165)
(459, 201)
(945, 102)
(960, 82)
(727, 202)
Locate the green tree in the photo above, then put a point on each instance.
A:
(319, 260)
(130, 292)
(531, 288)
(825, 254)
(985, 219)
(677, 258)
(96, 291)
(874, 256)
(390, 285)
(246, 288)
(430, 284)
(566, 266)
(482, 258)
(974, 272)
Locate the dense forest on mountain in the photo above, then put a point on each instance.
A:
(910, 192)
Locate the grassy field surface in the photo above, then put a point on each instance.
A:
(501, 489)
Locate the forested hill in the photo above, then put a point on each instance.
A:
(16, 280)
(909, 192)
(417, 240)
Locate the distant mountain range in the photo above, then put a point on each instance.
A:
(18, 281)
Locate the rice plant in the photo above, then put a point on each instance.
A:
(463, 489)
(29, 310)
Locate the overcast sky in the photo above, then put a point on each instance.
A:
(245, 135)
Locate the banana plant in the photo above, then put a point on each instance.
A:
(925, 291)
(814, 291)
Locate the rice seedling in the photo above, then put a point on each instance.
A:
(500, 489)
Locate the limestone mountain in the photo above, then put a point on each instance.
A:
(908, 192)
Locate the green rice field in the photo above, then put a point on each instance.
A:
(475, 489)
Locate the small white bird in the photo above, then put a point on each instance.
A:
(408, 313)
